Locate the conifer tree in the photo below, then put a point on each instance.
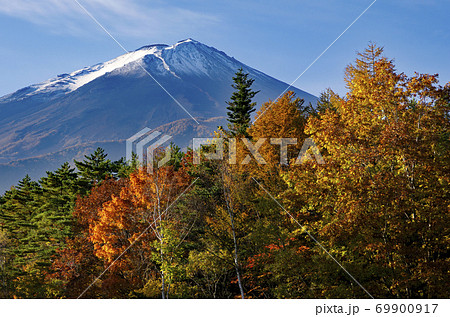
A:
(56, 201)
(37, 218)
(96, 167)
(241, 106)
(4, 241)
(16, 220)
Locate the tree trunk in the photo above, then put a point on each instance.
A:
(236, 260)
(231, 214)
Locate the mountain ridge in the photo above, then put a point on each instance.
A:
(113, 100)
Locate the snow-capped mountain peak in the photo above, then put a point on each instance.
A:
(79, 78)
(180, 60)
(66, 83)
(110, 101)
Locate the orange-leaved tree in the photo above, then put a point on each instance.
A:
(76, 265)
(134, 227)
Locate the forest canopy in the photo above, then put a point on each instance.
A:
(378, 206)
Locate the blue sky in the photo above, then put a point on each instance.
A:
(43, 38)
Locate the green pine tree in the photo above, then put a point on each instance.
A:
(96, 167)
(51, 224)
(241, 106)
(16, 220)
(56, 201)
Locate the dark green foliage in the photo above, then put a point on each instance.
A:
(4, 241)
(175, 156)
(36, 219)
(96, 167)
(56, 200)
(17, 223)
(241, 106)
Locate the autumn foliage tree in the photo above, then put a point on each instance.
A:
(139, 217)
(381, 199)
(279, 264)
(76, 264)
(280, 128)
(255, 223)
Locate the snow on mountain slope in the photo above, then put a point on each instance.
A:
(111, 101)
(185, 60)
(66, 83)
(185, 57)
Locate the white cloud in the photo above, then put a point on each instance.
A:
(122, 17)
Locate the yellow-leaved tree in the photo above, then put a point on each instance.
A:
(380, 203)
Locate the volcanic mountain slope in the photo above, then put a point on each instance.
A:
(111, 101)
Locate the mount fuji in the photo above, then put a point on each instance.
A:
(157, 86)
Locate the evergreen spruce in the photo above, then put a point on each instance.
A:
(60, 190)
(16, 219)
(241, 106)
(96, 167)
